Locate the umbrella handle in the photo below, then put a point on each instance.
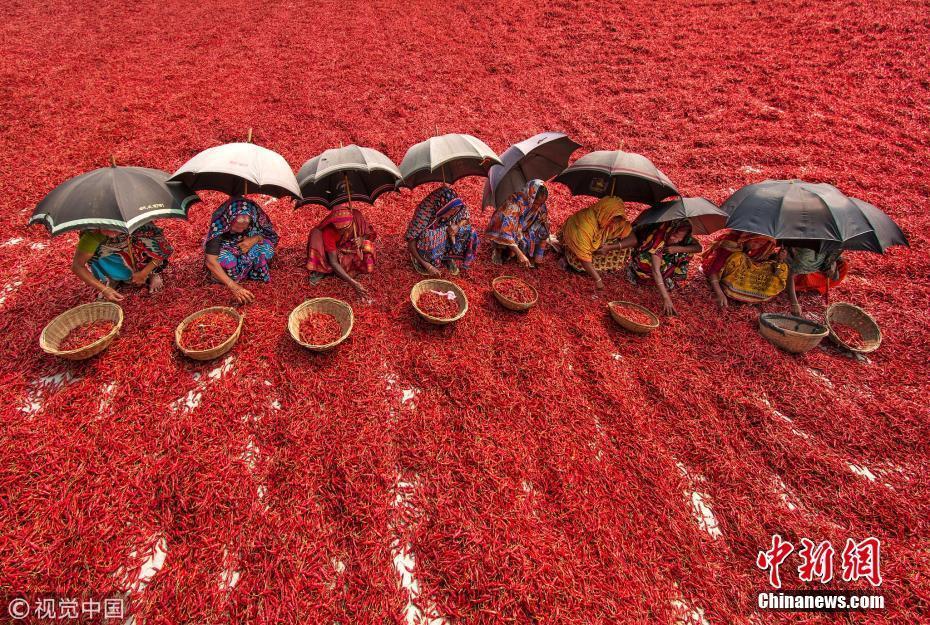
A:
(613, 185)
(348, 188)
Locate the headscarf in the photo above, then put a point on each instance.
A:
(654, 238)
(225, 216)
(526, 200)
(587, 230)
(439, 209)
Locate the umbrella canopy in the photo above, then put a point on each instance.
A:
(704, 215)
(885, 232)
(113, 198)
(540, 157)
(237, 169)
(446, 159)
(794, 210)
(631, 177)
(347, 173)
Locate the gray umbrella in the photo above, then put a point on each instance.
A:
(794, 210)
(703, 214)
(113, 198)
(631, 177)
(539, 157)
(237, 169)
(446, 159)
(347, 173)
(884, 234)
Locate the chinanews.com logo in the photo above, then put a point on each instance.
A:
(859, 561)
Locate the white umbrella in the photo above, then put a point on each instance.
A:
(238, 169)
(446, 159)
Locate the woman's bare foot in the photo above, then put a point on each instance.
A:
(497, 257)
(155, 283)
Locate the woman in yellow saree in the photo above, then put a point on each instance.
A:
(598, 238)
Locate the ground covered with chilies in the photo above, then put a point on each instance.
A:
(539, 467)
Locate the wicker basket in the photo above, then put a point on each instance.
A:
(854, 317)
(509, 303)
(327, 305)
(792, 334)
(59, 327)
(219, 350)
(629, 324)
(438, 285)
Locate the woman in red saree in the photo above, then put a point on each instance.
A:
(341, 244)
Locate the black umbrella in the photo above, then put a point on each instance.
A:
(884, 234)
(113, 198)
(703, 214)
(345, 174)
(796, 211)
(540, 157)
(631, 177)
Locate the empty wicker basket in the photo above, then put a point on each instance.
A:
(792, 334)
(59, 327)
(326, 305)
(626, 323)
(845, 314)
(442, 286)
(219, 350)
(509, 303)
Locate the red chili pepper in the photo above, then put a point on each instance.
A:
(85, 334)
(515, 290)
(319, 329)
(208, 331)
(633, 314)
(436, 305)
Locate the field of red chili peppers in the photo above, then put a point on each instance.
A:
(514, 468)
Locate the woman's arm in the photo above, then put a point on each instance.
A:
(625, 242)
(333, 258)
(668, 307)
(430, 270)
(792, 295)
(694, 248)
(242, 295)
(249, 242)
(719, 295)
(79, 267)
(589, 268)
(139, 277)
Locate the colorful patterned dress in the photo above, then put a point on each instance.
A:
(112, 258)
(654, 241)
(239, 265)
(346, 232)
(429, 228)
(518, 222)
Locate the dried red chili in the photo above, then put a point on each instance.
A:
(85, 334)
(848, 335)
(438, 305)
(515, 290)
(208, 331)
(319, 329)
(633, 314)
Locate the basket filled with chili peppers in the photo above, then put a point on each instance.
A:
(438, 301)
(321, 324)
(852, 328)
(513, 293)
(83, 331)
(209, 333)
(633, 317)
